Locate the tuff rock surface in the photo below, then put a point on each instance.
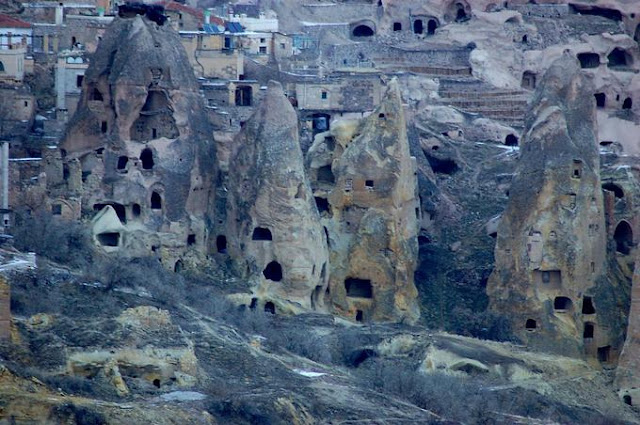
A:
(551, 271)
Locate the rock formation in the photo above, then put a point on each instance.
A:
(364, 182)
(550, 277)
(274, 233)
(628, 371)
(140, 143)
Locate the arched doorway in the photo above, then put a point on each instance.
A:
(623, 237)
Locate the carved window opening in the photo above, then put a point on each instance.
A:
(221, 244)
(359, 316)
(178, 267)
(604, 354)
(397, 26)
(562, 304)
(511, 140)
(109, 238)
(325, 175)
(322, 204)
(358, 288)
(146, 156)
(269, 307)
(363, 31)
(156, 201)
(576, 170)
(244, 95)
(589, 60)
(261, 234)
(623, 237)
(531, 325)
(601, 100)
(432, 26)
(273, 271)
(191, 239)
(627, 104)
(587, 306)
(612, 187)
(56, 209)
(589, 329)
(418, 26)
(122, 163)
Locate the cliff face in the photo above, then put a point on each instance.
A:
(364, 182)
(274, 234)
(140, 142)
(550, 275)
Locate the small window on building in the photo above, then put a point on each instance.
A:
(103, 127)
(283, 46)
(368, 184)
(263, 50)
(56, 209)
(26, 104)
(263, 40)
(191, 239)
(324, 95)
(79, 79)
(109, 238)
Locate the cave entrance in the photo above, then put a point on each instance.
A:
(601, 100)
(358, 288)
(273, 271)
(589, 329)
(122, 163)
(531, 325)
(627, 104)
(269, 307)
(511, 140)
(261, 234)
(325, 175)
(109, 238)
(589, 60)
(604, 354)
(146, 156)
(612, 187)
(156, 201)
(627, 399)
(397, 26)
(528, 80)
(587, 306)
(418, 27)
(432, 26)
(619, 58)
(562, 304)
(221, 244)
(362, 31)
(623, 236)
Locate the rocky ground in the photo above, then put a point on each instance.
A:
(146, 346)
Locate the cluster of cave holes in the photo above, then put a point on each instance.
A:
(269, 307)
(601, 101)
(146, 158)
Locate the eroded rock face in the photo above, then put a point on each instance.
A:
(628, 371)
(364, 182)
(140, 142)
(550, 277)
(273, 229)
